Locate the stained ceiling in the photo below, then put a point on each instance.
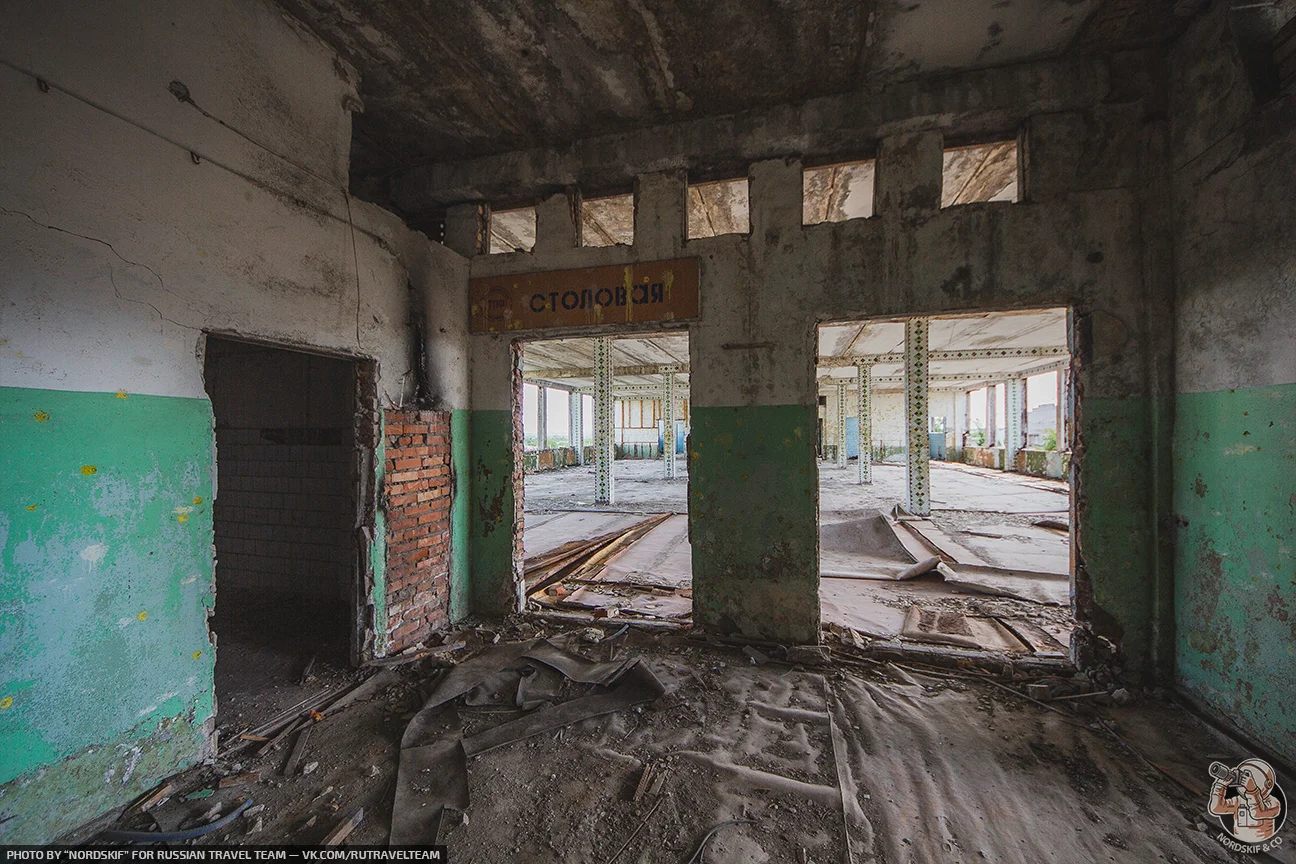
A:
(453, 79)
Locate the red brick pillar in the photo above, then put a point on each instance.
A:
(417, 493)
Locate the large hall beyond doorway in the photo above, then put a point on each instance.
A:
(605, 425)
(945, 495)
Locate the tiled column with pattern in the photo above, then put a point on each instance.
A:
(918, 452)
(576, 425)
(1014, 421)
(864, 410)
(604, 432)
(839, 424)
(668, 424)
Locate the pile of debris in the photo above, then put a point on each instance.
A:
(543, 681)
(581, 575)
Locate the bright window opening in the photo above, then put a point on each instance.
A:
(607, 221)
(722, 207)
(982, 172)
(513, 230)
(835, 193)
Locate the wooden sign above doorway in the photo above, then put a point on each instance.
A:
(594, 296)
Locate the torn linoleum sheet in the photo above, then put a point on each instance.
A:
(432, 775)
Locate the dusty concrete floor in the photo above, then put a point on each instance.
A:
(997, 508)
(935, 769)
(638, 484)
(640, 488)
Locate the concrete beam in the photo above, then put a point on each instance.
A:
(839, 361)
(973, 104)
(589, 371)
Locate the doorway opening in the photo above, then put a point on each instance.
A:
(944, 482)
(286, 514)
(605, 426)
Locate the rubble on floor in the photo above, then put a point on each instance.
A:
(794, 754)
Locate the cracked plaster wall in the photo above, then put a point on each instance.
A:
(1234, 182)
(130, 223)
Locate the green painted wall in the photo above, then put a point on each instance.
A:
(753, 520)
(460, 512)
(1235, 597)
(105, 583)
(1114, 530)
(491, 511)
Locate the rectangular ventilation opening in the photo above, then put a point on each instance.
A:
(835, 193)
(512, 230)
(980, 172)
(608, 221)
(722, 207)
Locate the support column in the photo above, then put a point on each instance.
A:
(542, 417)
(604, 433)
(992, 411)
(918, 452)
(962, 421)
(668, 424)
(576, 425)
(1061, 410)
(840, 424)
(1014, 421)
(864, 410)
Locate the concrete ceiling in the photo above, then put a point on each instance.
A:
(453, 79)
(570, 361)
(1042, 336)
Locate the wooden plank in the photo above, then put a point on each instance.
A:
(299, 749)
(343, 829)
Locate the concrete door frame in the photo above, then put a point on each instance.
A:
(1080, 350)
(517, 345)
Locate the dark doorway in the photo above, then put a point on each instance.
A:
(285, 516)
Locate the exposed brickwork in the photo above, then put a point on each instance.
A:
(417, 492)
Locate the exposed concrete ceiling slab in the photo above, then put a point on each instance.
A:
(459, 79)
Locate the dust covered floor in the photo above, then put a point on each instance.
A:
(1024, 610)
(639, 487)
(934, 767)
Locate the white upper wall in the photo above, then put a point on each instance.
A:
(130, 222)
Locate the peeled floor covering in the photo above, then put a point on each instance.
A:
(934, 769)
(938, 770)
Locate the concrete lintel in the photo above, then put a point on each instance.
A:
(843, 360)
(588, 371)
